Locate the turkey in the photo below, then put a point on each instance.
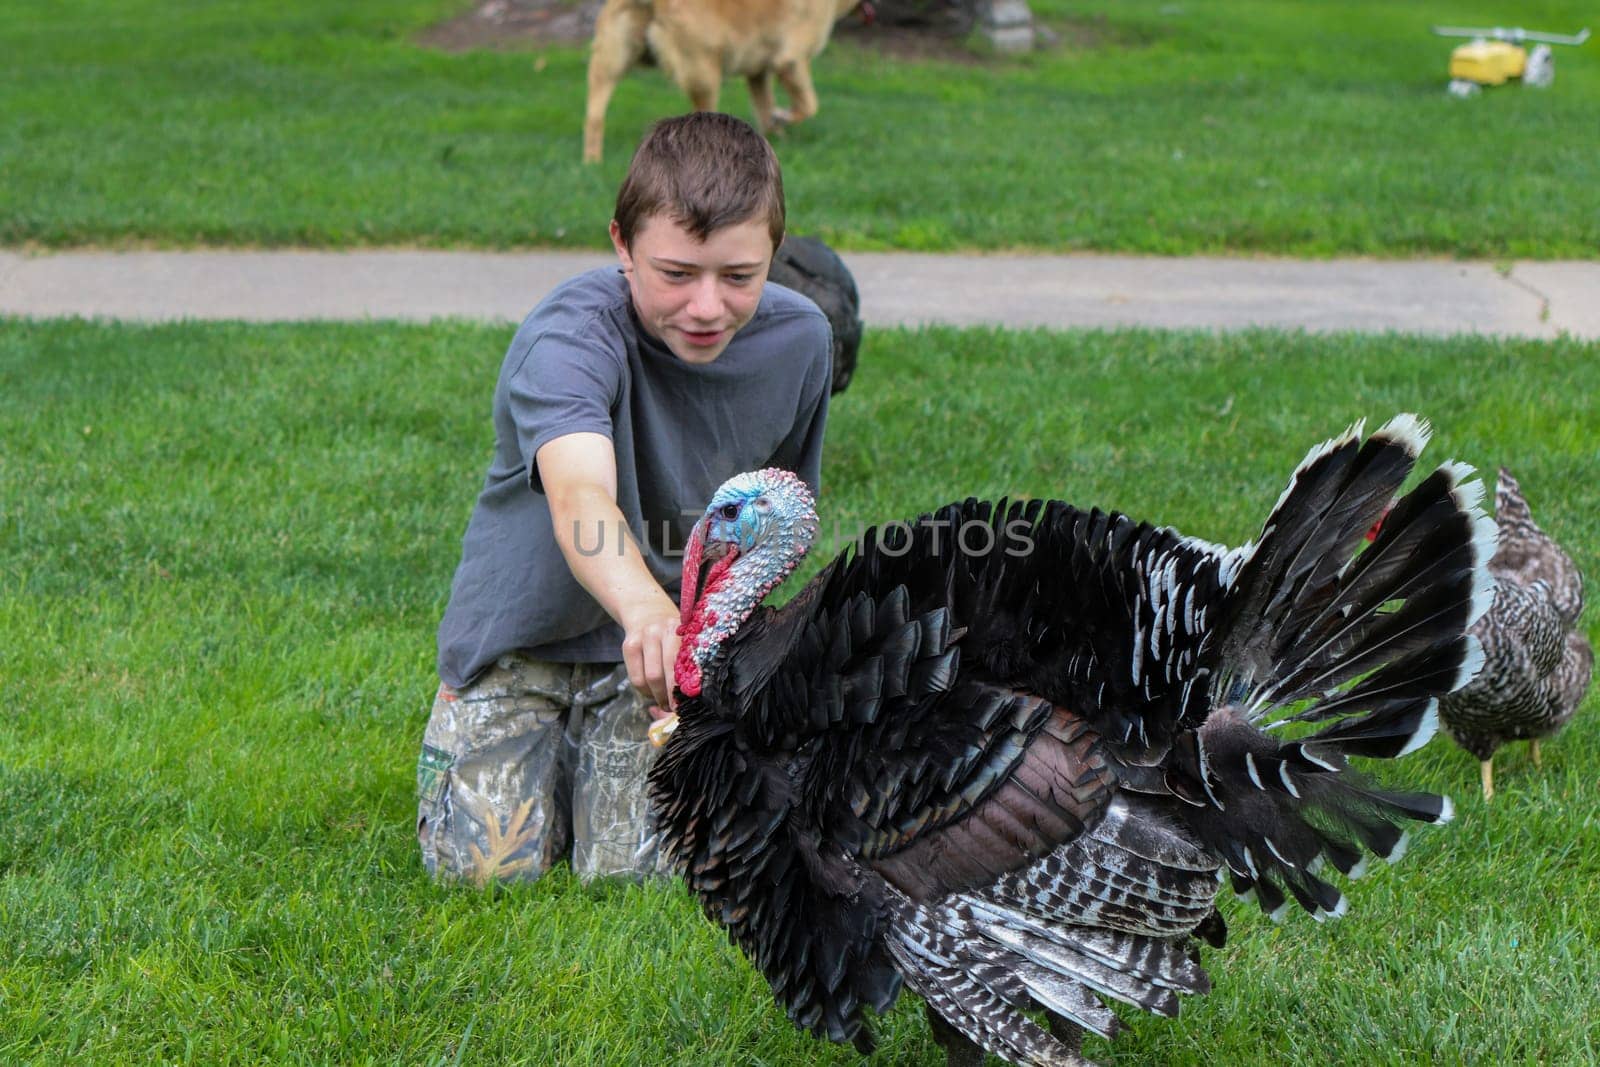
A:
(1537, 664)
(1004, 754)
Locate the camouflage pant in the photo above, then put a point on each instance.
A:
(530, 759)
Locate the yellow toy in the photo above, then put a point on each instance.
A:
(1495, 56)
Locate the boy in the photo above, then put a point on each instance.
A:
(625, 399)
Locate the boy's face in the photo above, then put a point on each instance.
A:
(695, 295)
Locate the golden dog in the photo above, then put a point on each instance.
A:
(697, 42)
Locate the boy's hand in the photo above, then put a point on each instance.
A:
(580, 478)
(650, 649)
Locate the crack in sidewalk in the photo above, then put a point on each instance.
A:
(1545, 312)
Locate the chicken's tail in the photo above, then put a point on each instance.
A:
(1328, 647)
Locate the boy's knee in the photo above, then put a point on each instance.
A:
(471, 837)
(493, 789)
(613, 833)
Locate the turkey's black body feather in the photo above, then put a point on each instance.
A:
(1007, 768)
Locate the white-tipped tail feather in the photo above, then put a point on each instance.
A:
(1425, 730)
(1319, 626)
(1410, 431)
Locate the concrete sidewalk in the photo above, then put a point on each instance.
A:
(1531, 299)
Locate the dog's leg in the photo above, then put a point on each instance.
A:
(618, 44)
(795, 77)
(761, 98)
(701, 78)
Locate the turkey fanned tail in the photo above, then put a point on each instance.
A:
(1358, 642)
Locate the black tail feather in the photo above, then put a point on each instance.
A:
(1317, 628)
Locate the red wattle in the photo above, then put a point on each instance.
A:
(696, 616)
(688, 677)
(686, 672)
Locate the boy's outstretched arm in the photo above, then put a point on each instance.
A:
(579, 475)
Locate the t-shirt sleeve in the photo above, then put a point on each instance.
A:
(566, 383)
(801, 450)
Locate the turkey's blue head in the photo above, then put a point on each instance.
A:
(756, 530)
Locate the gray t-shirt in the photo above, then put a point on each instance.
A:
(581, 363)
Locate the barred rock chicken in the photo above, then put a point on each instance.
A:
(1537, 664)
(1004, 754)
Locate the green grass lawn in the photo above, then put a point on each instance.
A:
(1305, 128)
(223, 552)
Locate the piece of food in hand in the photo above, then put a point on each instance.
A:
(662, 728)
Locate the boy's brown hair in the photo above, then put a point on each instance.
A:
(704, 171)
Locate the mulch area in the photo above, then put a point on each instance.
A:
(526, 24)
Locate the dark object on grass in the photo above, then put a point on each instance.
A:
(811, 268)
(1002, 753)
(952, 18)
